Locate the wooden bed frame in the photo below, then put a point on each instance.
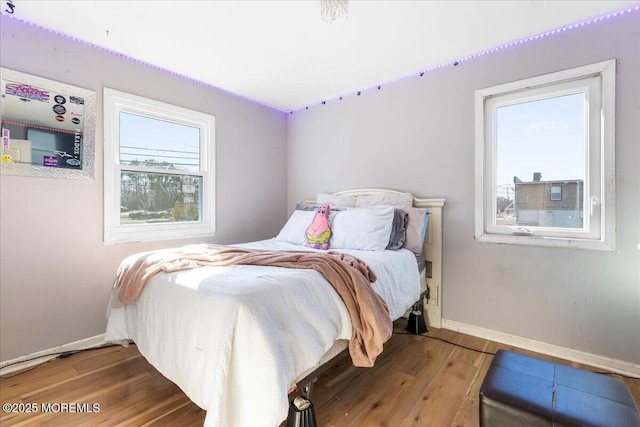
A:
(432, 280)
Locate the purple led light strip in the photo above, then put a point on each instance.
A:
(130, 58)
(359, 91)
(456, 62)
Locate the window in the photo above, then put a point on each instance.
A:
(545, 160)
(556, 194)
(159, 180)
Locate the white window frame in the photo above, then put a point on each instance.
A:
(598, 82)
(116, 102)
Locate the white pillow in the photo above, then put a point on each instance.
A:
(341, 201)
(398, 200)
(365, 229)
(293, 231)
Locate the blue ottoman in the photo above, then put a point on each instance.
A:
(521, 391)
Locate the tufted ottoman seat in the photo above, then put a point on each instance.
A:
(521, 391)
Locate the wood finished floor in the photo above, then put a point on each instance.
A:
(416, 381)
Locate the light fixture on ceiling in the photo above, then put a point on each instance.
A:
(330, 10)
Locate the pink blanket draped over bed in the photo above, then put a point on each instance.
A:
(349, 276)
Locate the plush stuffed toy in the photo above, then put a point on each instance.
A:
(319, 232)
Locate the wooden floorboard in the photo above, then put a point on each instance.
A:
(418, 380)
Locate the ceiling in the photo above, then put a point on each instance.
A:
(282, 54)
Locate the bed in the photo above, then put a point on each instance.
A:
(237, 339)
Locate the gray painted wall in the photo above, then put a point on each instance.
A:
(55, 272)
(417, 135)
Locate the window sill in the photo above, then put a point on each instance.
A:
(552, 242)
(148, 233)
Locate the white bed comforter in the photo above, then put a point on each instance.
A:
(235, 338)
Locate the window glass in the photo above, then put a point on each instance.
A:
(158, 143)
(152, 197)
(539, 143)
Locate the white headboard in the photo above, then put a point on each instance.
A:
(432, 248)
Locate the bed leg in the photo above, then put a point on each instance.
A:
(416, 323)
(301, 412)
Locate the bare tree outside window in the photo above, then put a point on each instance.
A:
(158, 146)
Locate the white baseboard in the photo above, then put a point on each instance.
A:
(589, 359)
(42, 356)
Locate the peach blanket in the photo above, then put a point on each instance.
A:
(349, 276)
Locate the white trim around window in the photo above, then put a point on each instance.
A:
(116, 104)
(596, 229)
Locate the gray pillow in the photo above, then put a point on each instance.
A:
(416, 229)
(398, 230)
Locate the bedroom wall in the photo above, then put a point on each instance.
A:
(55, 271)
(417, 135)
